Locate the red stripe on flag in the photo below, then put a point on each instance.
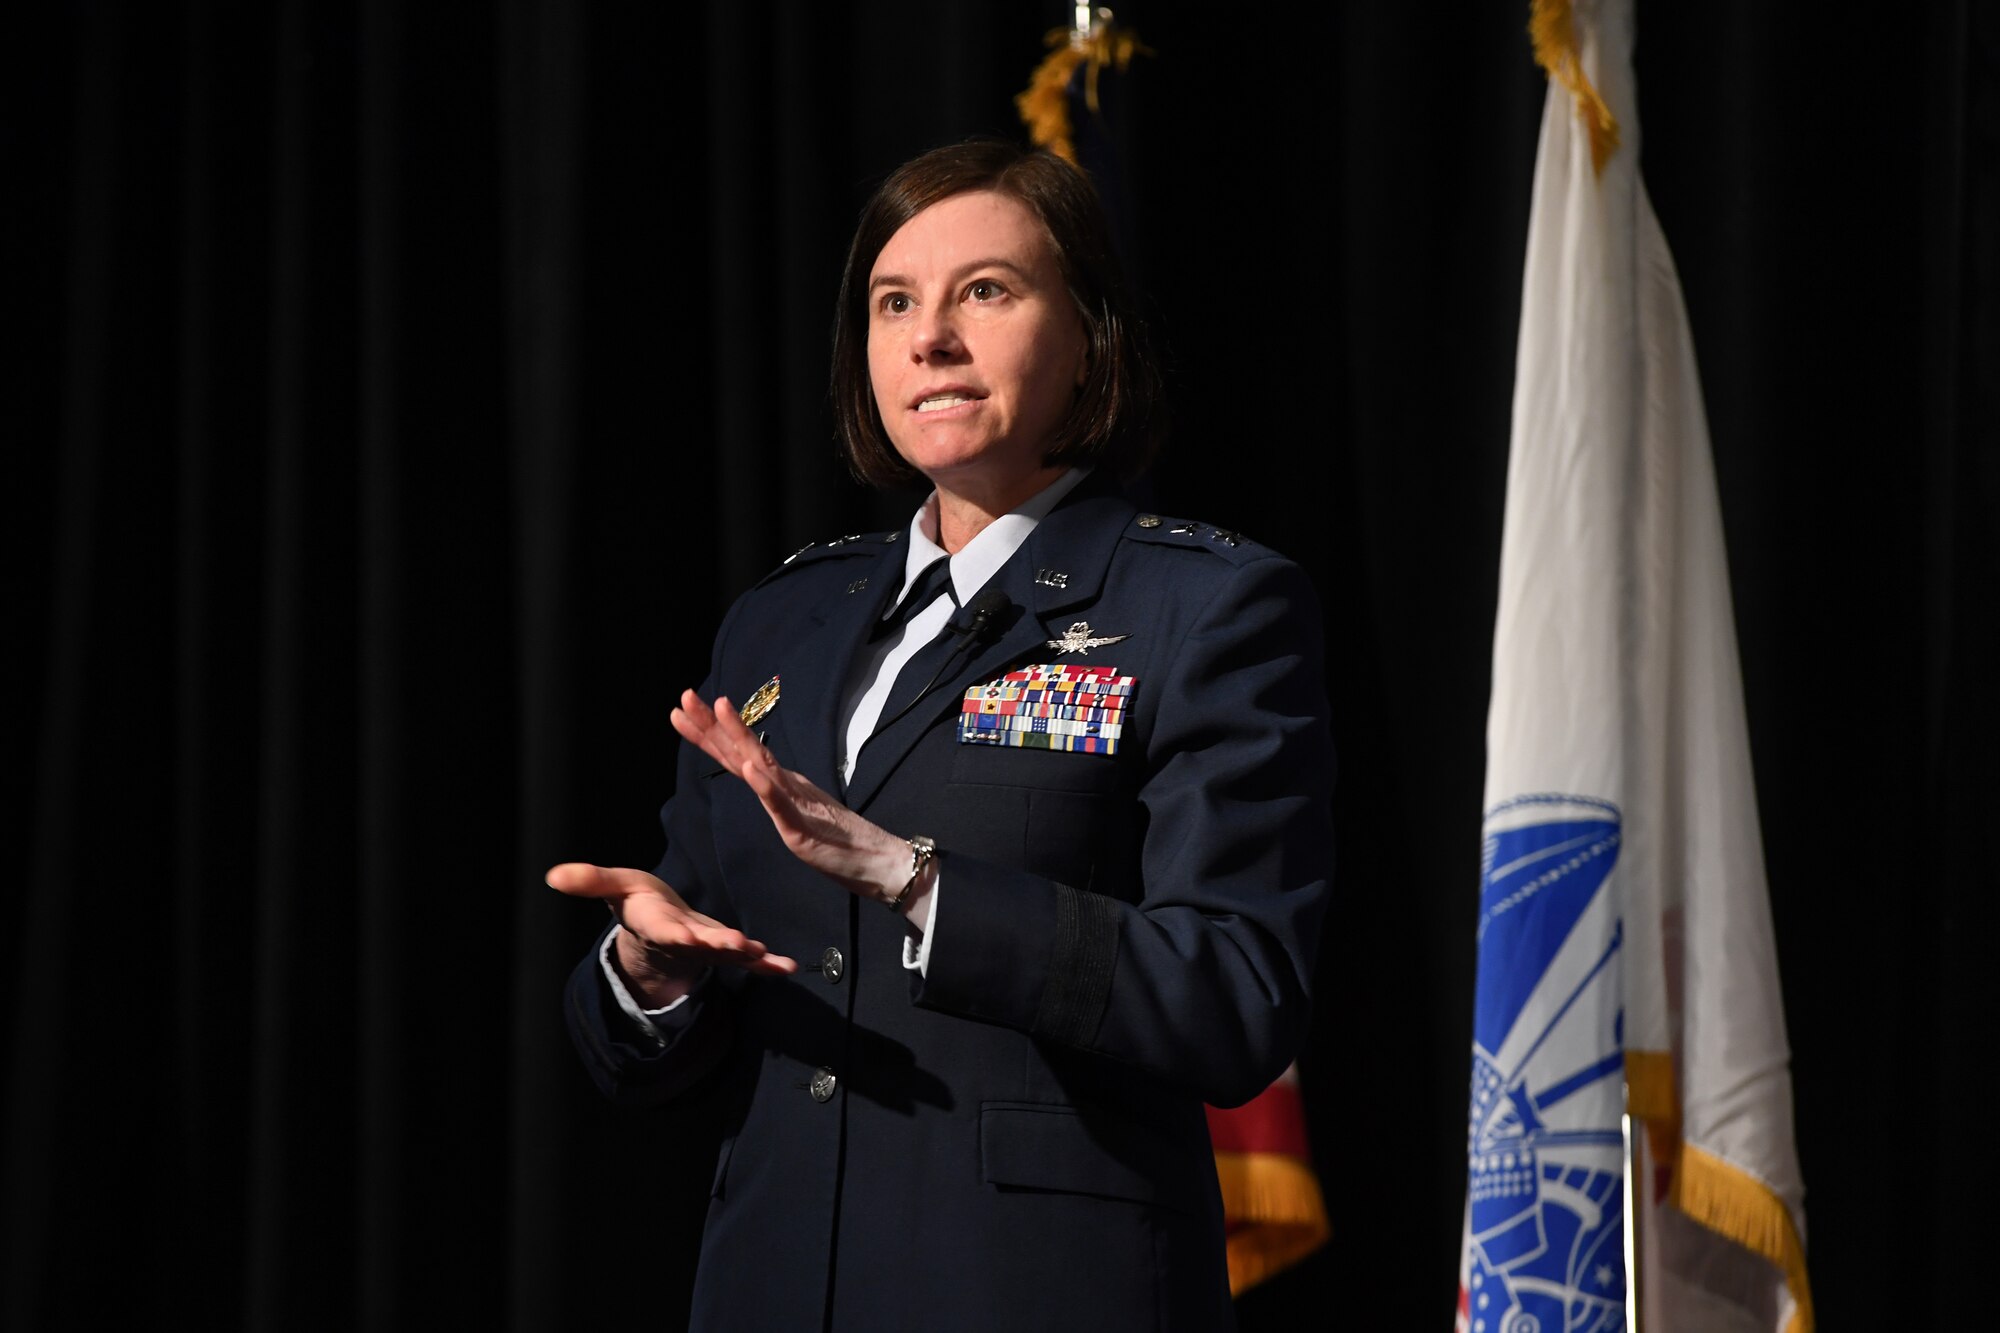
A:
(1272, 1121)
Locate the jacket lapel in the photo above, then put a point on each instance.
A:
(814, 672)
(1061, 566)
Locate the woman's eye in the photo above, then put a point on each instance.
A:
(985, 290)
(895, 303)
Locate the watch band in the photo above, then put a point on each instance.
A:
(923, 851)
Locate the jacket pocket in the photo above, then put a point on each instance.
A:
(1024, 1145)
(1039, 770)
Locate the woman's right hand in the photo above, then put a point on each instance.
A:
(666, 945)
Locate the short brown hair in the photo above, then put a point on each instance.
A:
(1119, 416)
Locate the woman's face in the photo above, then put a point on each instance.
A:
(975, 349)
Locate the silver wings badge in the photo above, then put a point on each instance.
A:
(1077, 639)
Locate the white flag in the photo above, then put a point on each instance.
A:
(1626, 960)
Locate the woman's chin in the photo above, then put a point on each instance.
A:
(971, 462)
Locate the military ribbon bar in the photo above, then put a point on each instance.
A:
(1054, 706)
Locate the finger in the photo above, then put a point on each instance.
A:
(691, 718)
(763, 783)
(715, 945)
(580, 879)
(695, 734)
(698, 713)
(722, 734)
(669, 924)
(662, 919)
(724, 737)
(749, 759)
(686, 957)
(705, 739)
(733, 737)
(696, 722)
(738, 734)
(753, 954)
(773, 964)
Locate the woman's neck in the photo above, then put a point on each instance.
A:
(966, 506)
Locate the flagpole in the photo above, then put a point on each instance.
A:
(1631, 1225)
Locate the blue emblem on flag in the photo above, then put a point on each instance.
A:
(1546, 1156)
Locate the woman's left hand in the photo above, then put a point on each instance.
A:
(864, 858)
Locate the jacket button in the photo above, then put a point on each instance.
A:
(823, 1084)
(832, 966)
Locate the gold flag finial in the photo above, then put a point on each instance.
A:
(1095, 42)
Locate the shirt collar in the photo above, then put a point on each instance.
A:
(981, 558)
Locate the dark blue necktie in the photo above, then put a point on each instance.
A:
(933, 579)
(920, 670)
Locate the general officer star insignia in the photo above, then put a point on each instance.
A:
(1077, 639)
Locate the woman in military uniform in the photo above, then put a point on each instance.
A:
(1037, 787)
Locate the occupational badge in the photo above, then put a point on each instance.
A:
(1077, 639)
(759, 703)
(1053, 706)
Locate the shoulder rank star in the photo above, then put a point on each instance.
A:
(760, 703)
(1077, 639)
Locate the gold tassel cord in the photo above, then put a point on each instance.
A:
(1044, 104)
(1552, 25)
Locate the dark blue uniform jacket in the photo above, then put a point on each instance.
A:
(1014, 1141)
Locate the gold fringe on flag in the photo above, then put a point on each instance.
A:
(1552, 24)
(1277, 1216)
(1724, 1198)
(1044, 104)
(1734, 1203)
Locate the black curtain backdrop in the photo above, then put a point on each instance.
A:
(408, 388)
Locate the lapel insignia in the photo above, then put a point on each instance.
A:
(758, 704)
(857, 585)
(1052, 578)
(1054, 706)
(1077, 639)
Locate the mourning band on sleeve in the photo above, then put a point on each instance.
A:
(1081, 959)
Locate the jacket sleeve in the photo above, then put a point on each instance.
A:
(627, 1063)
(1203, 980)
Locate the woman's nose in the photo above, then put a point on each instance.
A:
(936, 337)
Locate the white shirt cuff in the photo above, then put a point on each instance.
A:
(917, 951)
(643, 1018)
